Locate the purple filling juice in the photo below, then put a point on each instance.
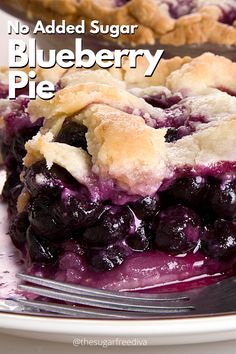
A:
(178, 119)
(180, 7)
(150, 242)
(119, 3)
(229, 15)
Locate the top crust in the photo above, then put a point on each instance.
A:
(153, 17)
(124, 144)
(125, 149)
(206, 147)
(205, 72)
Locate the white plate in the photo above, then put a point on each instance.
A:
(150, 332)
(162, 332)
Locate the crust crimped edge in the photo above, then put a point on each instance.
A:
(153, 19)
(121, 146)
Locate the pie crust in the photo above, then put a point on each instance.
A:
(126, 135)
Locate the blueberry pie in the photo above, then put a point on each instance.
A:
(128, 183)
(175, 22)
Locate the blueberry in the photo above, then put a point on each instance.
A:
(219, 240)
(73, 134)
(138, 241)
(104, 260)
(46, 219)
(171, 135)
(18, 148)
(178, 230)
(40, 250)
(80, 213)
(146, 207)
(113, 225)
(228, 16)
(38, 178)
(222, 199)
(187, 190)
(18, 229)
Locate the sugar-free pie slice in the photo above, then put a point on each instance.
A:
(175, 22)
(131, 182)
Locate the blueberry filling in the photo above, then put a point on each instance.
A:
(171, 135)
(80, 212)
(173, 221)
(113, 226)
(146, 208)
(120, 3)
(192, 215)
(178, 119)
(178, 230)
(179, 8)
(46, 218)
(228, 16)
(40, 250)
(189, 191)
(219, 240)
(139, 240)
(73, 134)
(40, 180)
(222, 198)
(162, 101)
(104, 260)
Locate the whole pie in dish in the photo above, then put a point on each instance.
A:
(175, 22)
(131, 182)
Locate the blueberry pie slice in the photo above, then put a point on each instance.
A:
(131, 182)
(175, 22)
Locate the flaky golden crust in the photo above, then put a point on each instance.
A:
(124, 143)
(206, 147)
(205, 72)
(141, 154)
(152, 16)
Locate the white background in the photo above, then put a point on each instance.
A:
(15, 345)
